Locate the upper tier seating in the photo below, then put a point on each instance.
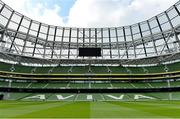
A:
(89, 69)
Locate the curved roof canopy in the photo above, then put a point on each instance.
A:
(156, 39)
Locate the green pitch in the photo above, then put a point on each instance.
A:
(149, 109)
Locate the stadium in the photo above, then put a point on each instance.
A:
(67, 72)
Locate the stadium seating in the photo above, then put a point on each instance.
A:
(90, 85)
(89, 69)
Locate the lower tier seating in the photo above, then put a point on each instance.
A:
(89, 85)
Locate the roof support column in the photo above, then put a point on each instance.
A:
(69, 46)
(54, 42)
(22, 52)
(177, 39)
(125, 43)
(117, 43)
(3, 29)
(134, 46)
(6, 29)
(176, 9)
(77, 42)
(61, 47)
(109, 31)
(89, 36)
(102, 42)
(152, 37)
(2, 7)
(96, 37)
(142, 39)
(44, 54)
(36, 40)
(162, 34)
(83, 37)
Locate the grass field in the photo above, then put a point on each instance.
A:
(149, 109)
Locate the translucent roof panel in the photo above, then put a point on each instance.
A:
(153, 37)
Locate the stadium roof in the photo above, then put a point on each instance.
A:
(149, 42)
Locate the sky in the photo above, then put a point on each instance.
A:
(90, 13)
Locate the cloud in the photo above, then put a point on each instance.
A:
(38, 11)
(92, 13)
(49, 16)
(102, 13)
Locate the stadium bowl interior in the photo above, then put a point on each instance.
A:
(39, 58)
